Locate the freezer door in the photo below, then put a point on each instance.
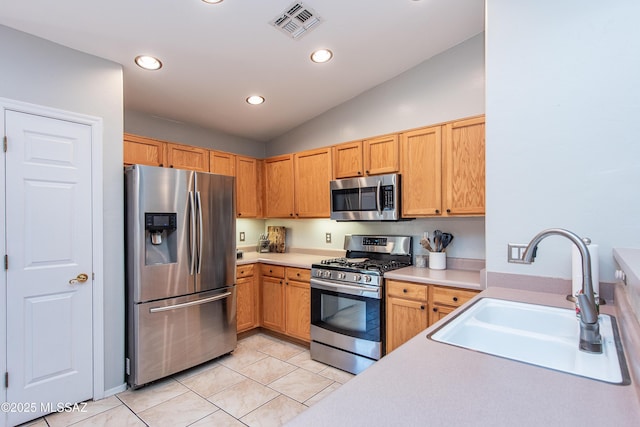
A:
(159, 269)
(216, 218)
(171, 335)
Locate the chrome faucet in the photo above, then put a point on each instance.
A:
(590, 338)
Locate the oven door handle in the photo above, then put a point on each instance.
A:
(374, 291)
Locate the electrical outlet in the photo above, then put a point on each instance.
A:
(515, 252)
(242, 236)
(327, 237)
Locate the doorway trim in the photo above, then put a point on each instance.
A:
(96, 124)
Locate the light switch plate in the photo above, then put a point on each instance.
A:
(327, 237)
(242, 236)
(515, 252)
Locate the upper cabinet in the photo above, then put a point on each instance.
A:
(421, 172)
(222, 163)
(181, 156)
(278, 187)
(144, 151)
(464, 167)
(443, 169)
(248, 187)
(369, 157)
(311, 183)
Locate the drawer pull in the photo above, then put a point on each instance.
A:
(455, 299)
(435, 309)
(404, 290)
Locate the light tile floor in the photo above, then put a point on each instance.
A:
(264, 382)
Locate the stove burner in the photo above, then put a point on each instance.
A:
(364, 264)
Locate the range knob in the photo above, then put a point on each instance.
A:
(327, 274)
(367, 278)
(341, 276)
(357, 277)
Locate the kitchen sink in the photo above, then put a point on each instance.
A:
(539, 335)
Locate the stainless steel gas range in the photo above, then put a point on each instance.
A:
(347, 301)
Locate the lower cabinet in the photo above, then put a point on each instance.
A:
(412, 308)
(297, 296)
(407, 313)
(247, 298)
(272, 295)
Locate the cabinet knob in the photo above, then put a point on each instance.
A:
(270, 271)
(367, 172)
(290, 214)
(404, 290)
(359, 173)
(170, 166)
(437, 211)
(455, 299)
(435, 309)
(298, 274)
(160, 165)
(448, 210)
(239, 213)
(422, 307)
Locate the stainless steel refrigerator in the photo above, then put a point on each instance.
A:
(180, 270)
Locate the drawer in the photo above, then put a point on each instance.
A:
(406, 290)
(244, 270)
(299, 274)
(452, 296)
(272, 270)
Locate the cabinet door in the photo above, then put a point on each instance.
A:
(464, 164)
(222, 163)
(247, 303)
(421, 172)
(247, 187)
(438, 312)
(381, 155)
(143, 151)
(347, 160)
(298, 309)
(187, 157)
(405, 319)
(273, 303)
(312, 177)
(279, 185)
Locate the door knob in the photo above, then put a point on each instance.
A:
(81, 278)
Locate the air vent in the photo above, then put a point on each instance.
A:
(296, 21)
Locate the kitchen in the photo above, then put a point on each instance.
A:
(585, 98)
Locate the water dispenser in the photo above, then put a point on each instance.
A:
(160, 239)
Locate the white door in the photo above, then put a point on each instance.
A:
(48, 242)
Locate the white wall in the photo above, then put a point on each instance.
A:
(40, 72)
(563, 119)
(169, 130)
(446, 87)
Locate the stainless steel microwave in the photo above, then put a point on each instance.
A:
(371, 198)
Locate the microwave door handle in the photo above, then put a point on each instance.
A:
(378, 202)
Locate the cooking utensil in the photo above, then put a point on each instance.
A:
(437, 240)
(446, 240)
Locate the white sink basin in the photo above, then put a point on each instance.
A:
(536, 334)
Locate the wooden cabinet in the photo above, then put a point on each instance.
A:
(248, 187)
(272, 297)
(421, 172)
(446, 299)
(443, 169)
(369, 157)
(298, 303)
(222, 163)
(311, 183)
(464, 167)
(407, 313)
(279, 187)
(181, 156)
(144, 151)
(247, 298)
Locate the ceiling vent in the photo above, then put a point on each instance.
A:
(296, 21)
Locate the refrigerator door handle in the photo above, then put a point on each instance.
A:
(200, 232)
(192, 234)
(190, 303)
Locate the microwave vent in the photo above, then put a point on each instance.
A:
(296, 21)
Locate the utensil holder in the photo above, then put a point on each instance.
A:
(438, 260)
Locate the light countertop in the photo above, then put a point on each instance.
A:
(425, 382)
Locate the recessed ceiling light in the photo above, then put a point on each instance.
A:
(255, 100)
(212, 1)
(321, 55)
(148, 62)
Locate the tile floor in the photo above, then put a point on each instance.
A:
(264, 382)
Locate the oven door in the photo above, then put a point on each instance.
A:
(347, 310)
